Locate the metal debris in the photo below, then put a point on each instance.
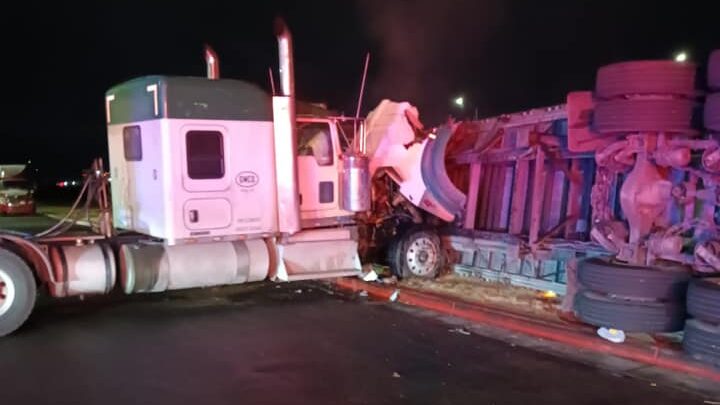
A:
(460, 331)
(389, 280)
(363, 293)
(394, 295)
(370, 276)
(396, 374)
(298, 291)
(612, 335)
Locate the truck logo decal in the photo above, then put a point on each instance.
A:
(247, 179)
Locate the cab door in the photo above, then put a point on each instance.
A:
(318, 172)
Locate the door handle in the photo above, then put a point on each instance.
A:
(194, 216)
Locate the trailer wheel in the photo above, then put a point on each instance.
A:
(666, 281)
(645, 77)
(714, 70)
(17, 292)
(703, 300)
(702, 341)
(418, 253)
(630, 315)
(712, 112)
(622, 116)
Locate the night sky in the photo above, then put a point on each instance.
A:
(502, 56)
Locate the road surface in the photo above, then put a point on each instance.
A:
(284, 344)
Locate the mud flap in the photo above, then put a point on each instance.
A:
(317, 254)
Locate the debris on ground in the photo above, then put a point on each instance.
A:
(394, 295)
(501, 295)
(298, 291)
(363, 293)
(369, 276)
(396, 374)
(548, 295)
(612, 335)
(460, 331)
(389, 280)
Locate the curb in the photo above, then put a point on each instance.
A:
(655, 356)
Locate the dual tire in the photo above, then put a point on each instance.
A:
(712, 103)
(644, 96)
(632, 298)
(702, 333)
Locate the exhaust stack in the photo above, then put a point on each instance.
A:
(286, 171)
(285, 53)
(212, 62)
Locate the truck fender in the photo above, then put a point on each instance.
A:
(33, 254)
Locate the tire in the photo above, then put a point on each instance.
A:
(703, 300)
(17, 292)
(645, 77)
(702, 341)
(714, 70)
(628, 315)
(622, 116)
(665, 282)
(393, 257)
(418, 253)
(712, 112)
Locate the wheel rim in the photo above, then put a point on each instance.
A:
(421, 257)
(7, 292)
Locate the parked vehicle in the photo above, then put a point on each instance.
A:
(17, 191)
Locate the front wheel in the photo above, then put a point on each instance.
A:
(17, 292)
(418, 253)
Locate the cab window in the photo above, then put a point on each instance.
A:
(314, 139)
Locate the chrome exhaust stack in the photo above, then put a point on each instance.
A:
(212, 62)
(286, 171)
(285, 54)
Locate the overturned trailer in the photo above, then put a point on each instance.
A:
(610, 199)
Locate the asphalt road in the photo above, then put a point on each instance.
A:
(288, 344)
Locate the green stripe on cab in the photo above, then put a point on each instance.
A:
(153, 97)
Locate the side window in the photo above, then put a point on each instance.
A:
(205, 156)
(314, 140)
(132, 143)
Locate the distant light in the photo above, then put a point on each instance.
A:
(681, 57)
(460, 101)
(29, 161)
(65, 183)
(73, 183)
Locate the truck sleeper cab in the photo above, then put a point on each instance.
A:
(195, 162)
